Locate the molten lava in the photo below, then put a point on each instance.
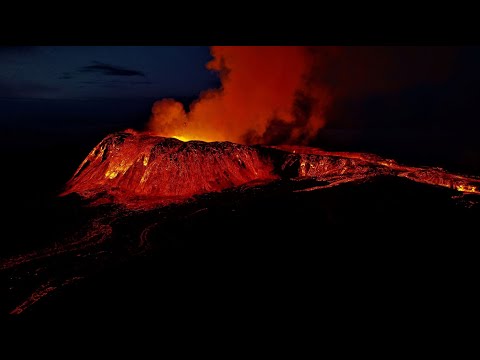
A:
(181, 138)
(130, 164)
(129, 167)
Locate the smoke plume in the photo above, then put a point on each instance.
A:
(265, 97)
(281, 95)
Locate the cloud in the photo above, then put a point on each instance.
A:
(66, 76)
(118, 84)
(110, 70)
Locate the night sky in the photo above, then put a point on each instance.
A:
(94, 72)
(52, 95)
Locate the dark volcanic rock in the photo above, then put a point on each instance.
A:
(227, 201)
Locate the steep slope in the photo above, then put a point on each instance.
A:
(144, 165)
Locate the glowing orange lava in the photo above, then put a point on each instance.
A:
(182, 138)
(130, 167)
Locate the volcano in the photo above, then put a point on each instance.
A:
(137, 198)
(130, 167)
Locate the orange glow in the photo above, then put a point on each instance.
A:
(138, 169)
(181, 138)
(260, 88)
(141, 165)
(466, 188)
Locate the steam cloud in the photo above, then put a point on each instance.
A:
(265, 98)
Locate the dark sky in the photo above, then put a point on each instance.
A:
(419, 88)
(64, 94)
(88, 72)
